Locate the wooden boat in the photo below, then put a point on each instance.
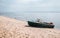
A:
(42, 25)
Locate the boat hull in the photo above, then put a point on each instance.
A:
(41, 25)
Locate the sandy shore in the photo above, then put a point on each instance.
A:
(12, 28)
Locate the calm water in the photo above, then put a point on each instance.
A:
(48, 17)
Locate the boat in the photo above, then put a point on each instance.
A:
(41, 25)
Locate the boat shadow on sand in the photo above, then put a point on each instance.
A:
(35, 27)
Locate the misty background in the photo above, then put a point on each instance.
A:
(47, 10)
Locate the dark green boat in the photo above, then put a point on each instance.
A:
(41, 25)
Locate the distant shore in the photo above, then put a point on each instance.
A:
(12, 28)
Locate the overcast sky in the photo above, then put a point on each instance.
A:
(29, 5)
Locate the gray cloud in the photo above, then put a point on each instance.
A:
(29, 5)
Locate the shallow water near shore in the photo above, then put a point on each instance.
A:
(47, 17)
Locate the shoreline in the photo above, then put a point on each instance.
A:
(12, 28)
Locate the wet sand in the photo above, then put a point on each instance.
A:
(12, 28)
